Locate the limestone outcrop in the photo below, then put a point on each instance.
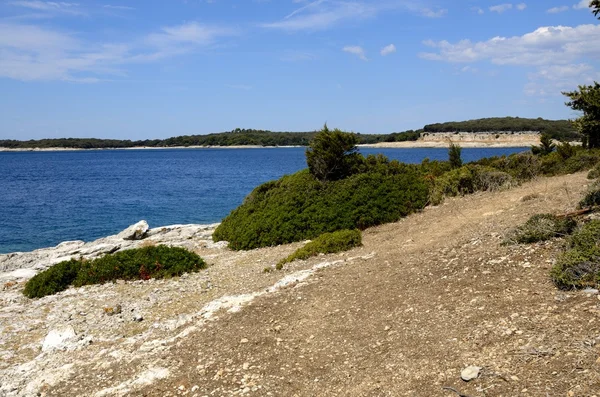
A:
(19, 266)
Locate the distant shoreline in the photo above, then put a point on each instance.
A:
(61, 149)
(383, 145)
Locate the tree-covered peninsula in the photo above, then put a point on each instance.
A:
(559, 129)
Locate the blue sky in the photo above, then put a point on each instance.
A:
(155, 69)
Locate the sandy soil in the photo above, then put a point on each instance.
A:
(401, 316)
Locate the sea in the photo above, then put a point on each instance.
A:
(50, 197)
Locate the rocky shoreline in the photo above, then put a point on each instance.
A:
(407, 313)
(19, 266)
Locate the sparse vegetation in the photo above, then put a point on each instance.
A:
(592, 197)
(136, 264)
(541, 227)
(327, 243)
(466, 180)
(579, 266)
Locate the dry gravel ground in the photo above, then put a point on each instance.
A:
(401, 316)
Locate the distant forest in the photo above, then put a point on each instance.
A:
(557, 129)
(560, 129)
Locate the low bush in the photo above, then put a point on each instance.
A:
(52, 280)
(540, 227)
(466, 180)
(591, 198)
(594, 173)
(135, 264)
(522, 166)
(579, 266)
(299, 207)
(328, 243)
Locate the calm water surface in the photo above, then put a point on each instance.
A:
(50, 197)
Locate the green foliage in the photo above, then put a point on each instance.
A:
(333, 155)
(595, 6)
(52, 280)
(327, 243)
(454, 158)
(541, 227)
(557, 129)
(594, 172)
(579, 266)
(521, 166)
(466, 180)
(565, 150)
(135, 264)
(587, 100)
(299, 207)
(546, 146)
(592, 197)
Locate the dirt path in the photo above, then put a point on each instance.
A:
(402, 316)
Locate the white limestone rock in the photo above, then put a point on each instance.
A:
(59, 339)
(134, 232)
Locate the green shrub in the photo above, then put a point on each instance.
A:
(540, 227)
(327, 243)
(466, 180)
(579, 266)
(591, 198)
(565, 150)
(454, 155)
(135, 264)
(299, 207)
(594, 173)
(332, 155)
(520, 166)
(587, 237)
(52, 280)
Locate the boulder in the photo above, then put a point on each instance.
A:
(134, 232)
(59, 339)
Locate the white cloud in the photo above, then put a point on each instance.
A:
(387, 50)
(556, 10)
(500, 8)
(29, 52)
(429, 13)
(321, 14)
(553, 50)
(582, 5)
(356, 50)
(521, 6)
(545, 45)
(112, 7)
(324, 14)
(49, 7)
(478, 10)
(553, 79)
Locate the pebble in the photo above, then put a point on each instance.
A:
(470, 373)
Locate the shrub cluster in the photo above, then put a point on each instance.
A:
(592, 197)
(135, 264)
(299, 207)
(579, 266)
(327, 243)
(466, 180)
(541, 227)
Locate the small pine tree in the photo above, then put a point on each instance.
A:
(333, 155)
(454, 155)
(546, 146)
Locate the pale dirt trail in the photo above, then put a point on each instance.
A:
(421, 300)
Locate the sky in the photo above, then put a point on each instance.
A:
(156, 69)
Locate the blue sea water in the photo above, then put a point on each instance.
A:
(50, 197)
